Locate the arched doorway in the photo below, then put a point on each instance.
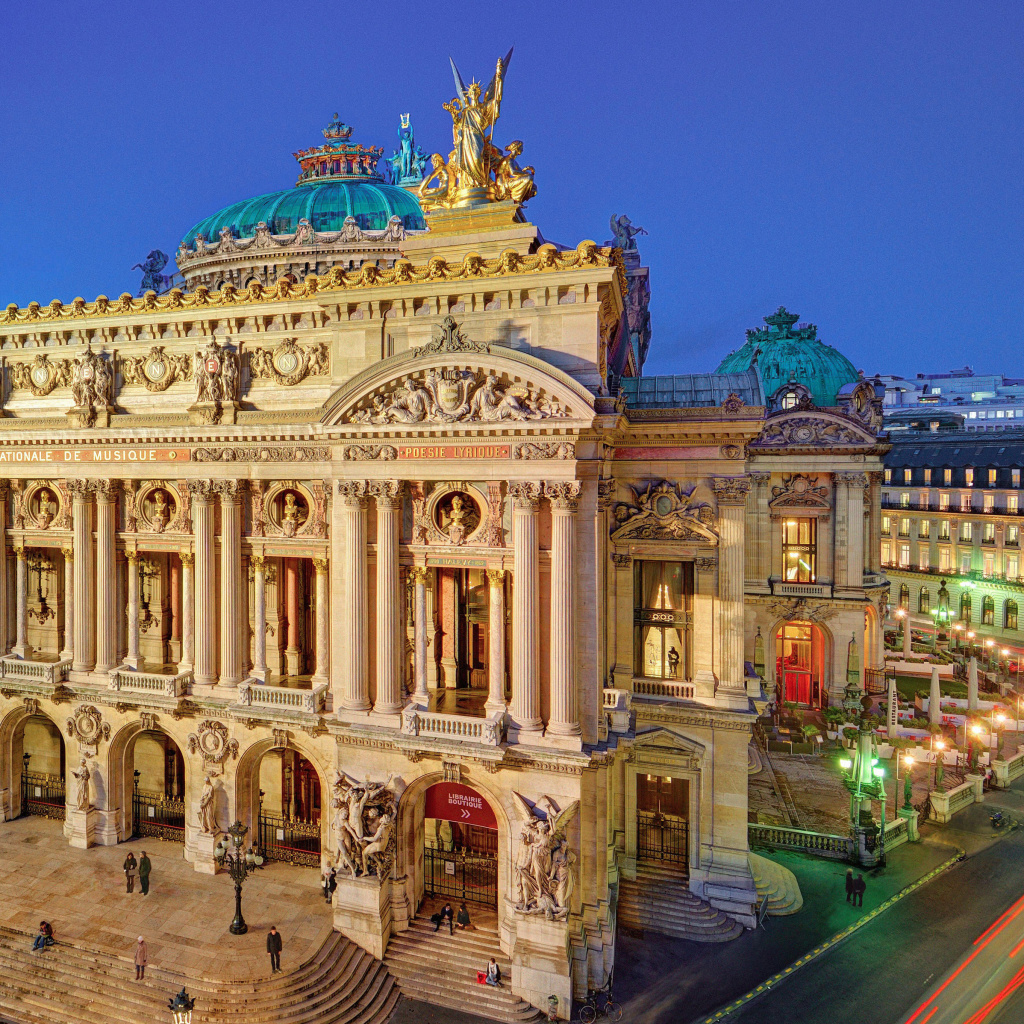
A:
(799, 663)
(158, 786)
(43, 765)
(290, 808)
(460, 845)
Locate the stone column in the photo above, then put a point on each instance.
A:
(4, 637)
(355, 692)
(69, 602)
(259, 627)
(758, 566)
(495, 641)
(132, 658)
(731, 496)
(419, 577)
(525, 710)
(230, 581)
(389, 670)
(840, 563)
(106, 577)
(244, 663)
(175, 588)
(188, 612)
(204, 625)
(855, 482)
(21, 602)
(447, 593)
(320, 675)
(564, 499)
(81, 518)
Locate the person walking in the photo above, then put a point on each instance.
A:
(849, 885)
(130, 866)
(859, 888)
(330, 884)
(145, 867)
(141, 959)
(274, 946)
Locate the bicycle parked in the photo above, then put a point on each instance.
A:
(591, 1008)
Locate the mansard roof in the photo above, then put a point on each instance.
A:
(1005, 449)
(691, 390)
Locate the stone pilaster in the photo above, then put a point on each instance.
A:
(259, 626)
(419, 581)
(21, 648)
(758, 567)
(230, 581)
(107, 611)
(245, 664)
(495, 641)
(389, 675)
(525, 710)
(352, 500)
(188, 612)
(731, 496)
(854, 484)
(322, 568)
(705, 659)
(564, 499)
(84, 594)
(132, 659)
(840, 565)
(5, 641)
(204, 627)
(69, 602)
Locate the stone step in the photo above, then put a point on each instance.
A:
(652, 904)
(778, 884)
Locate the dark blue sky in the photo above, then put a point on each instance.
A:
(860, 163)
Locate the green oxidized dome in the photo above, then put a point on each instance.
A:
(786, 353)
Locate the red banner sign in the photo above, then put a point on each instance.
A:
(450, 801)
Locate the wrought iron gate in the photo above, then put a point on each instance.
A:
(460, 876)
(156, 815)
(662, 837)
(43, 795)
(294, 842)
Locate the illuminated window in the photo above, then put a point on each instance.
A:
(663, 618)
(928, 476)
(947, 477)
(965, 607)
(966, 532)
(1013, 535)
(965, 502)
(799, 549)
(1012, 567)
(904, 559)
(923, 557)
(988, 564)
(888, 476)
(923, 526)
(886, 552)
(944, 530)
(886, 524)
(1010, 615)
(989, 503)
(908, 475)
(924, 601)
(904, 527)
(991, 478)
(943, 501)
(988, 611)
(905, 499)
(988, 533)
(1012, 503)
(904, 597)
(969, 476)
(945, 560)
(1015, 477)
(965, 564)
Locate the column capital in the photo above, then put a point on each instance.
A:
(200, 490)
(351, 492)
(853, 479)
(81, 490)
(320, 565)
(106, 490)
(19, 550)
(68, 553)
(605, 492)
(257, 563)
(761, 478)
(730, 490)
(230, 491)
(132, 557)
(564, 495)
(387, 493)
(622, 561)
(525, 495)
(705, 564)
(496, 577)
(420, 574)
(188, 558)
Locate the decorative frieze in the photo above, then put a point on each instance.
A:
(290, 363)
(42, 375)
(544, 450)
(157, 370)
(370, 452)
(254, 453)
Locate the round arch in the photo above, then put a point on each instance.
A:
(120, 774)
(410, 838)
(820, 668)
(12, 732)
(247, 786)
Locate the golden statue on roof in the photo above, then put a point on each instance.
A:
(476, 170)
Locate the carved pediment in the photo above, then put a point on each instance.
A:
(664, 746)
(664, 511)
(800, 491)
(809, 429)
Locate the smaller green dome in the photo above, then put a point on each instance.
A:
(785, 353)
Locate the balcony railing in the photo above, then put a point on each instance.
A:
(488, 732)
(125, 680)
(663, 688)
(50, 673)
(973, 574)
(954, 508)
(252, 694)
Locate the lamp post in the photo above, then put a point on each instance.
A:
(240, 865)
(908, 781)
(181, 1007)
(938, 745)
(989, 645)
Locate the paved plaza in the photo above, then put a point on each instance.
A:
(184, 918)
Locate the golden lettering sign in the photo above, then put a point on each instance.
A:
(70, 455)
(455, 451)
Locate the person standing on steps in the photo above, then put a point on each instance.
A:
(129, 870)
(145, 866)
(859, 888)
(849, 885)
(141, 959)
(274, 945)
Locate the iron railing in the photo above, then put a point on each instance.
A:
(662, 837)
(154, 814)
(470, 876)
(43, 795)
(289, 840)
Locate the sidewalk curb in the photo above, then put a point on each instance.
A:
(777, 979)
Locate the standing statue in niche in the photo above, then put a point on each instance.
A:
(82, 776)
(208, 808)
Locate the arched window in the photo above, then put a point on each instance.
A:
(924, 601)
(965, 607)
(1010, 612)
(904, 597)
(988, 611)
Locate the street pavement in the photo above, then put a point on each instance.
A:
(900, 967)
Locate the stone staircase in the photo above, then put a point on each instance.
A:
(660, 901)
(69, 984)
(439, 968)
(778, 884)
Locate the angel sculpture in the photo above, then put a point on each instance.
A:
(544, 869)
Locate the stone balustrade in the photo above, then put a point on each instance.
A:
(819, 844)
(664, 688)
(946, 803)
(488, 732)
(48, 673)
(125, 680)
(617, 705)
(252, 694)
(1008, 770)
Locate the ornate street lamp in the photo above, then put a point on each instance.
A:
(239, 865)
(181, 1007)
